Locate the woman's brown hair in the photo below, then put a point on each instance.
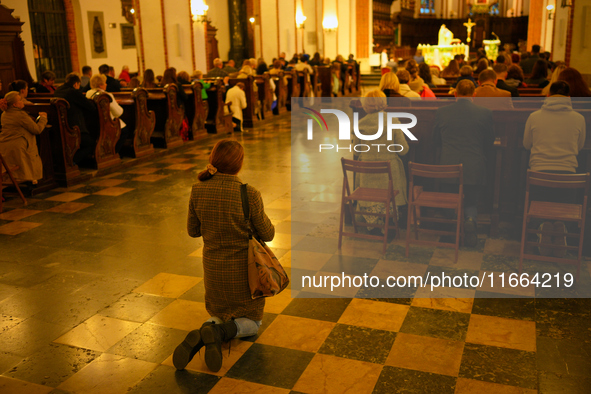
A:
(226, 158)
(149, 81)
(169, 76)
(578, 86)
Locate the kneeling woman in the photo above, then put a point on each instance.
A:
(215, 213)
(18, 144)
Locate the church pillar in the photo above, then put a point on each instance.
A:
(362, 14)
(536, 18)
(238, 31)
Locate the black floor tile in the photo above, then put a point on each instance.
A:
(436, 323)
(396, 295)
(499, 365)
(512, 308)
(270, 365)
(165, 379)
(42, 205)
(551, 383)
(418, 255)
(52, 365)
(196, 293)
(359, 343)
(560, 325)
(401, 380)
(327, 309)
(564, 357)
(443, 273)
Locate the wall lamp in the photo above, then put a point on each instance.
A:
(330, 24)
(300, 20)
(199, 10)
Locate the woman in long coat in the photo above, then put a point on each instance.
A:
(373, 104)
(215, 213)
(18, 144)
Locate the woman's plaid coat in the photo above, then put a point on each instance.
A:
(215, 213)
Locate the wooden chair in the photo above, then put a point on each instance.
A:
(4, 168)
(554, 211)
(384, 196)
(418, 198)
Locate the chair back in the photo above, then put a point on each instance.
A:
(366, 167)
(563, 181)
(436, 171)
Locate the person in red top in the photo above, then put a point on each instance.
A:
(124, 75)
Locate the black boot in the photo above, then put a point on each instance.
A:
(213, 336)
(184, 353)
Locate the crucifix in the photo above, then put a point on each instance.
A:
(469, 26)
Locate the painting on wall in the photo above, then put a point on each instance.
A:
(98, 42)
(127, 36)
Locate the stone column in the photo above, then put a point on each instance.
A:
(238, 35)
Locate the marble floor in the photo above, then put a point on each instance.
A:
(100, 282)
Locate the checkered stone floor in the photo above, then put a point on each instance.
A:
(95, 297)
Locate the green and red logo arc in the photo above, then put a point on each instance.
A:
(317, 117)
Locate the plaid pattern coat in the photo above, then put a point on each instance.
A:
(215, 213)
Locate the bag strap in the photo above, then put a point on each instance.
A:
(246, 208)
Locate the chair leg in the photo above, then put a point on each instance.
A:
(14, 182)
(386, 225)
(396, 226)
(523, 238)
(341, 223)
(458, 231)
(417, 213)
(408, 226)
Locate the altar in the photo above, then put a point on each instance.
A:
(445, 50)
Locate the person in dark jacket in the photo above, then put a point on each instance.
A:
(81, 110)
(113, 85)
(501, 70)
(464, 132)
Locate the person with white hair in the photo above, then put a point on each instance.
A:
(217, 71)
(124, 75)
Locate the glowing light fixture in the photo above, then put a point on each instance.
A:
(550, 7)
(251, 20)
(132, 11)
(300, 19)
(199, 10)
(330, 23)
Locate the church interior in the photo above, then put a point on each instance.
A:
(100, 281)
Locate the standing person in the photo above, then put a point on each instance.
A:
(18, 144)
(527, 64)
(215, 213)
(237, 98)
(464, 131)
(80, 109)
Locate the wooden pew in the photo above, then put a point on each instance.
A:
(138, 118)
(293, 88)
(249, 114)
(110, 131)
(280, 91)
(200, 110)
(265, 94)
(324, 76)
(169, 116)
(316, 84)
(57, 145)
(218, 120)
(305, 86)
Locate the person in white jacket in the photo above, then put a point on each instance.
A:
(98, 84)
(237, 98)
